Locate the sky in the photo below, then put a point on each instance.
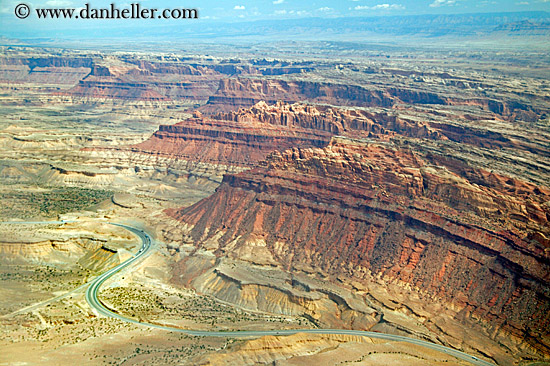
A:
(277, 9)
(212, 11)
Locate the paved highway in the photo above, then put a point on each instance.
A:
(95, 303)
(92, 291)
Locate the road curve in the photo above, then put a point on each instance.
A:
(92, 291)
(97, 305)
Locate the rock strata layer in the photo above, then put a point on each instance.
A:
(476, 240)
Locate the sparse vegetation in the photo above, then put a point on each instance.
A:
(51, 202)
(201, 310)
(36, 281)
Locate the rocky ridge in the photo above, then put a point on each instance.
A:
(478, 241)
(246, 136)
(234, 93)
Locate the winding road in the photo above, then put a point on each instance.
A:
(97, 305)
(92, 291)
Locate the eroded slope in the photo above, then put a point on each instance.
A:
(476, 241)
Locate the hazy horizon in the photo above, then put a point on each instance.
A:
(241, 18)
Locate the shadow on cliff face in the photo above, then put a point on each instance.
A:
(364, 210)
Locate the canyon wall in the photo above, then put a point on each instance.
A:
(234, 93)
(478, 241)
(246, 136)
(229, 84)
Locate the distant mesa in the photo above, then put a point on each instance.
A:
(236, 93)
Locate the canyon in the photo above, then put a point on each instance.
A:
(398, 193)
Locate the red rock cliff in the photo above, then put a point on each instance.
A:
(476, 240)
(234, 93)
(248, 135)
(227, 142)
